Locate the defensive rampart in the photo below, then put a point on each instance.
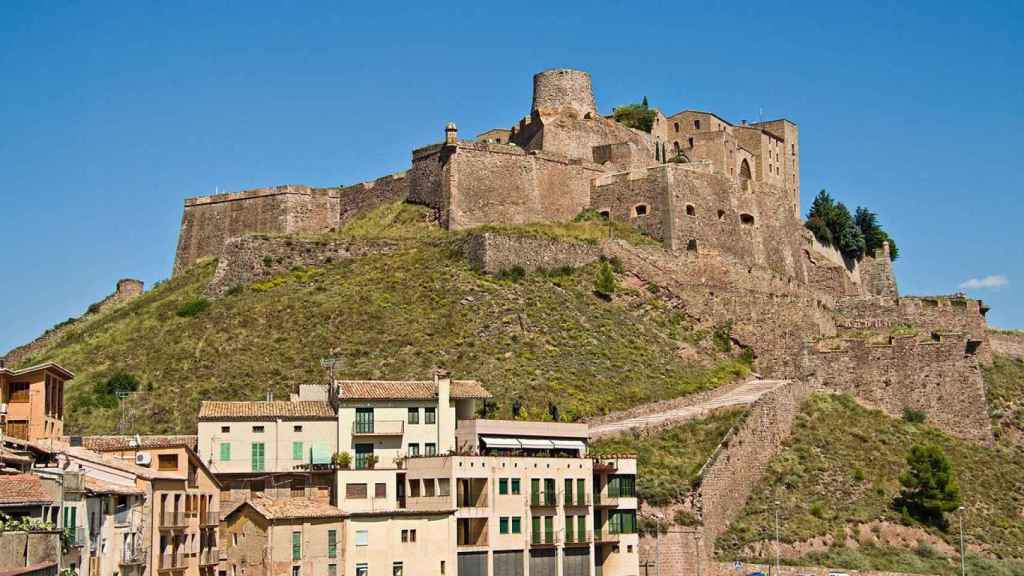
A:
(494, 252)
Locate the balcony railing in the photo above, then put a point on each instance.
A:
(603, 536)
(72, 482)
(577, 500)
(606, 501)
(544, 538)
(209, 518)
(578, 538)
(209, 556)
(76, 536)
(543, 499)
(173, 561)
(133, 556)
(379, 428)
(172, 520)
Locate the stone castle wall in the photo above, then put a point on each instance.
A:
(249, 259)
(493, 252)
(208, 221)
(361, 198)
(1007, 343)
(941, 377)
(563, 89)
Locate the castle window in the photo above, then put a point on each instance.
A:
(690, 210)
(676, 126)
(675, 147)
(605, 214)
(721, 214)
(746, 219)
(744, 169)
(640, 210)
(793, 148)
(691, 245)
(696, 124)
(690, 141)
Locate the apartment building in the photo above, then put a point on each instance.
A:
(32, 401)
(35, 551)
(156, 513)
(272, 448)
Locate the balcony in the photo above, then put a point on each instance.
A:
(472, 532)
(209, 518)
(605, 537)
(579, 538)
(76, 536)
(172, 520)
(543, 539)
(606, 466)
(379, 428)
(135, 556)
(73, 482)
(543, 499)
(209, 556)
(577, 500)
(173, 561)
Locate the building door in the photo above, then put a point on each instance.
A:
(544, 562)
(472, 564)
(576, 562)
(364, 420)
(364, 455)
(508, 563)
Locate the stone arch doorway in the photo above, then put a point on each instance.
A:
(745, 169)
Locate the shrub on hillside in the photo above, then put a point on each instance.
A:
(914, 416)
(605, 283)
(929, 488)
(638, 116)
(193, 307)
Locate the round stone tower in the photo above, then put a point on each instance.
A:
(562, 89)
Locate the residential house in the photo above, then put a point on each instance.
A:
(32, 401)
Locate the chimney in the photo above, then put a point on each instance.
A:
(445, 411)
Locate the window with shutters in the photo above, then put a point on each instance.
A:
(517, 525)
(515, 486)
(568, 491)
(414, 449)
(430, 416)
(380, 490)
(414, 416)
(364, 420)
(503, 525)
(258, 455)
(332, 543)
(297, 451)
(296, 546)
(225, 451)
(355, 491)
(503, 486)
(430, 449)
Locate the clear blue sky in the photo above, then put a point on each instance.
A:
(111, 114)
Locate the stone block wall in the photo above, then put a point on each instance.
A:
(677, 552)
(248, 259)
(1007, 343)
(354, 201)
(493, 252)
(208, 221)
(939, 376)
(21, 549)
(877, 274)
(728, 569)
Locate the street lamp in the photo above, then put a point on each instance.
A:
(963, 564)
(776, 537)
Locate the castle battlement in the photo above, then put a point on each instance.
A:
(259, 193)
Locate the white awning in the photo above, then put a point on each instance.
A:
(569, 445)
(536, 444)
(492, 442)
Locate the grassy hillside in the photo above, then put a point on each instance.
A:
(669, 459)
(841, 467)
(543, 337)
(1005, 388)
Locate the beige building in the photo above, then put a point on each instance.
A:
(32, 401)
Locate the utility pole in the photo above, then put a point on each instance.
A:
(963, 562)
(776, 537)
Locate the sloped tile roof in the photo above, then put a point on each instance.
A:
(293, 508)
(97, 486)
(407, 390)
(118, 443)
(262, 410)
(23, 489)
(87, 455)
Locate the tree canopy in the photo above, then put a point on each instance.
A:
(853, 235)
(929, 488)
(638, 116)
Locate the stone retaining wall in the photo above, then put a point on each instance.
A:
(1007, 343)
(493, 252)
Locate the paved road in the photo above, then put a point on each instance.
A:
(742, 395)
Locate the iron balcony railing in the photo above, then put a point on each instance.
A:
(543, 499)
(574, 537)
(134, 556)
(209, 556)
(210, 518)
(172, 520)
(544, 538)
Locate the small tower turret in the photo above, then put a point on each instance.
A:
(451, 134)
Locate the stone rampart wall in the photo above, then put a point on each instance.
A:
(940, 377)
(209, 221)
(728, 569)
(354, 201)
(493, 252)
(677, 552)
(248, 259)
(1007, 343)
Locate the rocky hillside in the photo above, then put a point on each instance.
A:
(538, 337)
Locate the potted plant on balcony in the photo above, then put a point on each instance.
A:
(371, 461)
(342, 460)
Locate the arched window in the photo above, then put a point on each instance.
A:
(690, 210)
(691, 245)
(676, 126)
(605, 214)
(744, 169)
(640, 210)
(675, 147)
(746, 219)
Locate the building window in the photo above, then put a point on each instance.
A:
(691, 245)
(380, 490)
(503, 486)
(414, 416)
(622, 486)
(676, 126)
(503, 525)
(414, 449)
(412, 535)
(517, 525)
(364, 420)
(355, 491)
(18, 393)
(258, 454)
(332, 570)
(429, 415)
(225, 429)
(225, 451)
(396, 569)
(690, 210)
(443, 487)
(515, 486)
(428, 487)
(296, 546)
(747, 219)
(405, 535)
(430, 449)
(297, 428)
(167, 462)
(296, 570)
(361, 568)
(442, 566)
(362, 537)
(414, 488)
(696, 124)
(297, 451)
(640, 210)
(257, 429)
(332, 543)
(364, 456)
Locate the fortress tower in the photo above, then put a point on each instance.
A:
(563, 89)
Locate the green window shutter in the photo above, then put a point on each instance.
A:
(568, 491)
(332, 543)
(569, 525)
(549, 529)
(225, 451)
(516, 525)
(613, 487)
(613, 522)
(297, 451)
(535, 525)
(503, 486)
(535, 491)
(581, 491)
(515, 485)
(296, 546)
(257, 456)
(503, 524)
(581, 527)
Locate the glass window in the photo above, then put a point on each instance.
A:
(414, 449)
(396, 569)
(549, 529)
(225, 429)
(362, 537)
(225, 451)
(503, 486)
(362, 569)
(503, 525)
(568, 491)
(355, 491)
(296, 450)
(258, 454)
(364, 420)
(257, 429)
(580, 492)
(364, 456)
(517, 525)
(430, 416)
(515, 485)
(412, 535)
(296, 571)
(380, 490)
(414, 416)
(570, 526)
(297, 428)
(296, 546)
(430, 449)
(332, 570)
(332, 543)
(581, 527)
(405, 535)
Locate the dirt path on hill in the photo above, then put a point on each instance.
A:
(680, 410)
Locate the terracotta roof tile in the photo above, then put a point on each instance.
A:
(293, 508)
(22, 489)
(407, 390)
(87, 455)
(118, 443)
(96, 486)
(217, 410)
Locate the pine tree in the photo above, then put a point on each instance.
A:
(605, 284)
(929, 488)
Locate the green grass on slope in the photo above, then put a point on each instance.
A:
(544, 338)
(668, 460)
(1004, 381)
(841, 466)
